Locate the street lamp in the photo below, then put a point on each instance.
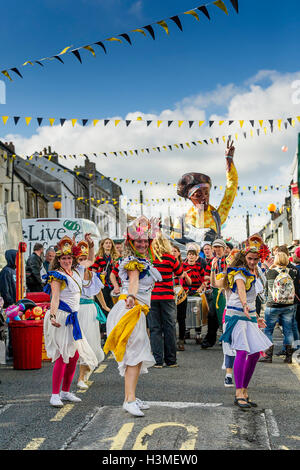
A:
(57, 206)
(272, 209)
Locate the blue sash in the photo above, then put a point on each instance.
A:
(232, 321)
(72, 319)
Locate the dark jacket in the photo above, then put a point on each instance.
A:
(8, 279)
(33, 273)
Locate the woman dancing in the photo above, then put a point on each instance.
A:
(64, 340)
(242, 324)
(127, 334)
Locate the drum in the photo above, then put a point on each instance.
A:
(193, 312)
(180, 294)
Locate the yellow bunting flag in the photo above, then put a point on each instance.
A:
(89, 48)
(95, 121)
(51, 120)
(241, 123)
(64, 50)
(159, 123)
(73, 122)
(201, 122)
(193, 13)
(4, 119)
(164, 25)
(113, 39)
(139, 31)
(180, 123)
(28, 119)
(5, 72)
(279, 123)
(117, 121)
(221, 5)
(261, 121)
(221, 122)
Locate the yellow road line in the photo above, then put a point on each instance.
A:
(83, 390)
(62, 413)
(100, 369)
(35, 443)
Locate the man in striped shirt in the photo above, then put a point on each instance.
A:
(213, 323)
(162, 317)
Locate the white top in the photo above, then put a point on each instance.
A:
(251, 294)
(147, 278)
(92, 287)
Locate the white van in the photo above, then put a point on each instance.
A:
(50, 231)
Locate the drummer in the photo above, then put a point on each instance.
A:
(193, 283)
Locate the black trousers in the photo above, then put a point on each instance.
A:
(162, 325)
(212, 321)
(181, 316)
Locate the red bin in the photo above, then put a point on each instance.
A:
(27, 343)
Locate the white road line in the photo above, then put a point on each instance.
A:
(4, 408)
(179, 404)
(100, 369)
(272, 424)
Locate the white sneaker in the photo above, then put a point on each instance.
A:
(56, 401)
(142, 404)
(132, 408)
(68, 396)
(82, 385)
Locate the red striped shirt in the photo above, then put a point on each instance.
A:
(196, 273)
(167, 267)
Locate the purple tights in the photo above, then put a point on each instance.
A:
(244, 366)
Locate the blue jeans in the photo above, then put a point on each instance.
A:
(162, 325)
(286, 317)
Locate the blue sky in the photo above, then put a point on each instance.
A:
(236, 66)
(150, 75)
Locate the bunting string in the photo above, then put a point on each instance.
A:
(148, 30)
(158, 123)
(177, 146)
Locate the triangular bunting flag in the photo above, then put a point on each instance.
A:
(39, 120)
(62, 121)
(77, 55)
(204, 11)
(193, 13)
(51, 120)
(221, 5)
(177, 21)
(4, 119)
(28, 119)
(164, 25)
(16, 119)
(150, 30)
(125, 36)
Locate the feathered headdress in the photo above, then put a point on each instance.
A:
(64, 247)
(256, 242)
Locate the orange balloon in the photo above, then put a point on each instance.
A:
(57, 205)
(284, 148)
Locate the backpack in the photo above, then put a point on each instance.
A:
(283, 291)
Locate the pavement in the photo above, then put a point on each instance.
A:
(190, 409)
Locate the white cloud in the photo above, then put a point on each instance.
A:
(259, 160)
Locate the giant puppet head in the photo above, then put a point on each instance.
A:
(196, 187)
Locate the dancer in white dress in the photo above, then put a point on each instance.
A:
(243, 332)
(90, 314)
(64, 340)
(126, 327)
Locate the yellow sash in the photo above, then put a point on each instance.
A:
(119, 336)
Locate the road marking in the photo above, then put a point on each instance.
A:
(4, 408)
(119, 439)
(297, 438)
(100, 369)
(272, 424)
(295, 369)
(34, 444)
(189, 444)
(83, 390)
(179, 404)
(62, 413)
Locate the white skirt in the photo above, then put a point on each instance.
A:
(60, 341)
(138, 348)
(247, 336)
(90, 327)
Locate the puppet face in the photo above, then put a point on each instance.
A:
(200, 197)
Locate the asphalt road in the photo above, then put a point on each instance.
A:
(190, 408)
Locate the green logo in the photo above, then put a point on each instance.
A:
(72, 225)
